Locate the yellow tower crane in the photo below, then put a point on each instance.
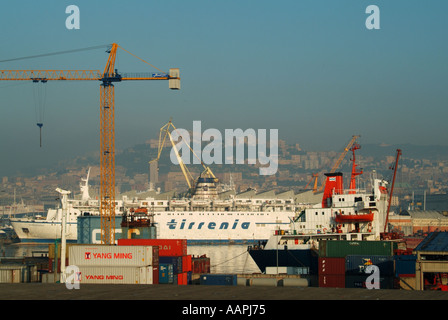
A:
(107, 120)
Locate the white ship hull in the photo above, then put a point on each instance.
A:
(220, 227)
(42, 231)
(196, 227)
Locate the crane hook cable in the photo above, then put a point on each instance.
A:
(56, 53)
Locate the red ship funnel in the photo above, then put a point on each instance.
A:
(333, 185)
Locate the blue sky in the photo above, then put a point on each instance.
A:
(310, 69)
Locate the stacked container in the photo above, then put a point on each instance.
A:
(175, 265)
(405, 266)
(343, 263)
(355, 270)
(116, 264)
(331, 272)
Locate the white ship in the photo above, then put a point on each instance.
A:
(206, 217)
(38, 228)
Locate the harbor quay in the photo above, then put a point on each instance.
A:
(58, 291)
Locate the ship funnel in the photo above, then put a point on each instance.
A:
(333, 185)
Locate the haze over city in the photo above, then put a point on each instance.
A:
(310, 69)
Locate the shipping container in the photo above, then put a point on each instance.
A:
(182, 278)
(155, 274)
(166, 274)
(359, 281)
(357, 264)
(175, 261)
(53, 247)
(167, 247)
(218, 279)
(332, 280)
(405, 264)
(331, 266)
(110, 255)
(186, 263)
(342, 248)
(115, 275)
(286, 270)
(13, 273)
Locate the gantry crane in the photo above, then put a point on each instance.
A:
(107, 120)
(164, 132)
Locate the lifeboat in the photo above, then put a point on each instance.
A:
(350, 218)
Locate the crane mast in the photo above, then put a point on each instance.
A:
(392, 189)
(107, 120)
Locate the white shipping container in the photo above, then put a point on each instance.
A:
(116, 275)
(286, 270)
(117, 256)
(10, 275)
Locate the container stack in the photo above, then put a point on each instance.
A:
(405, 271)
(175, 265)
(331, 272)
(109, 264)
(342, 264)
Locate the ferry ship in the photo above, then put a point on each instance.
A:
(352, 215)
(204, 218)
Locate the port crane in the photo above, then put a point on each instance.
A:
(392, 189)
(341, 157)
(191, 181)
(107, 79)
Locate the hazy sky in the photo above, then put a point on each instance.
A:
(310, 69)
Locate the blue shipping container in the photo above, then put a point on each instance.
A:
(166, 274)
(360, 282)
(405, 264)
(218, 279)
(357, 264)
(175, 261)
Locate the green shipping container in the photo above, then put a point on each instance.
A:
(342, 248)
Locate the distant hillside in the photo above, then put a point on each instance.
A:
(135, 159)
(408, 151)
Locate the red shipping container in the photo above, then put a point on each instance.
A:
(167, 247)
(186, 263)
(182, 279)
(332, 280)
(331, 266)
(155, 274)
